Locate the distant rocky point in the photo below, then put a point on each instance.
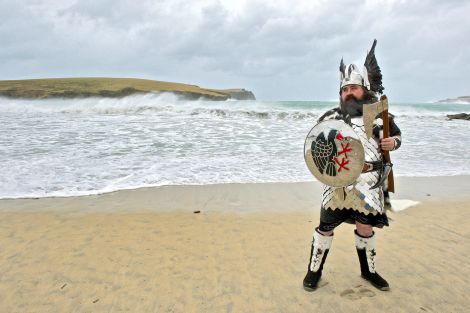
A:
(111, 87)
(463, 99)
(460, 116)
(237, 94)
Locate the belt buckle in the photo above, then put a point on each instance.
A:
(368, 167)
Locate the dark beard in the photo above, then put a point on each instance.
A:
(353, 106)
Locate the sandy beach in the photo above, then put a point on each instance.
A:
(145, 250)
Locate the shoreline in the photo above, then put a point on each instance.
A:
(100, 193)
(232, 197)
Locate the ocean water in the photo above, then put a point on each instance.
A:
(89, 146)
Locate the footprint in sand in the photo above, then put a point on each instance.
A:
(322, 284)
(357, 293)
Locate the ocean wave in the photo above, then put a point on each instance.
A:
(156, 104)
(168, 104)
(90, 146)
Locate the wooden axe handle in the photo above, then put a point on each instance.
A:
(386, 154)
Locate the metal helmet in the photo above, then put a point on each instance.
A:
(372, 77)
(351, 76)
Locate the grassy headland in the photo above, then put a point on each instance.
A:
(110, 87)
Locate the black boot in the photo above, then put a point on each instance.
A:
(320, 246)
(366, 252)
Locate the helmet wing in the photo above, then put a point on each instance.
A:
(372, 73)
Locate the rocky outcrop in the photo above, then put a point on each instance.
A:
(460, 116)
(463, 99)
(237, 94)
(187, 95)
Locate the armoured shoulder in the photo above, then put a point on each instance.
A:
(333, 114)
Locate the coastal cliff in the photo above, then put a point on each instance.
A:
(111, 87)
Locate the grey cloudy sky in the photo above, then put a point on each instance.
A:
(281, 50)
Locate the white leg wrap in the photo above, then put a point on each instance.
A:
(320, 244)
(369, 245)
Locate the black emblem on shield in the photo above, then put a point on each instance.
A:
(323, 153)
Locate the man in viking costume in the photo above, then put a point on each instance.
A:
(362, 202)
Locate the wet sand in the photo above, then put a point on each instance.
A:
(246, 251)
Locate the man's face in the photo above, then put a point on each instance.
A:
(352, 99)
(350, 92)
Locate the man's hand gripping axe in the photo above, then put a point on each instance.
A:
(370, 112)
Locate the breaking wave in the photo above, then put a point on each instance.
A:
(65, 147)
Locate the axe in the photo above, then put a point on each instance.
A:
(370, 112)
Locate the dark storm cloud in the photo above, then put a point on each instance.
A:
(279, 49)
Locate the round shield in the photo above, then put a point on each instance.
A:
(334, 153)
